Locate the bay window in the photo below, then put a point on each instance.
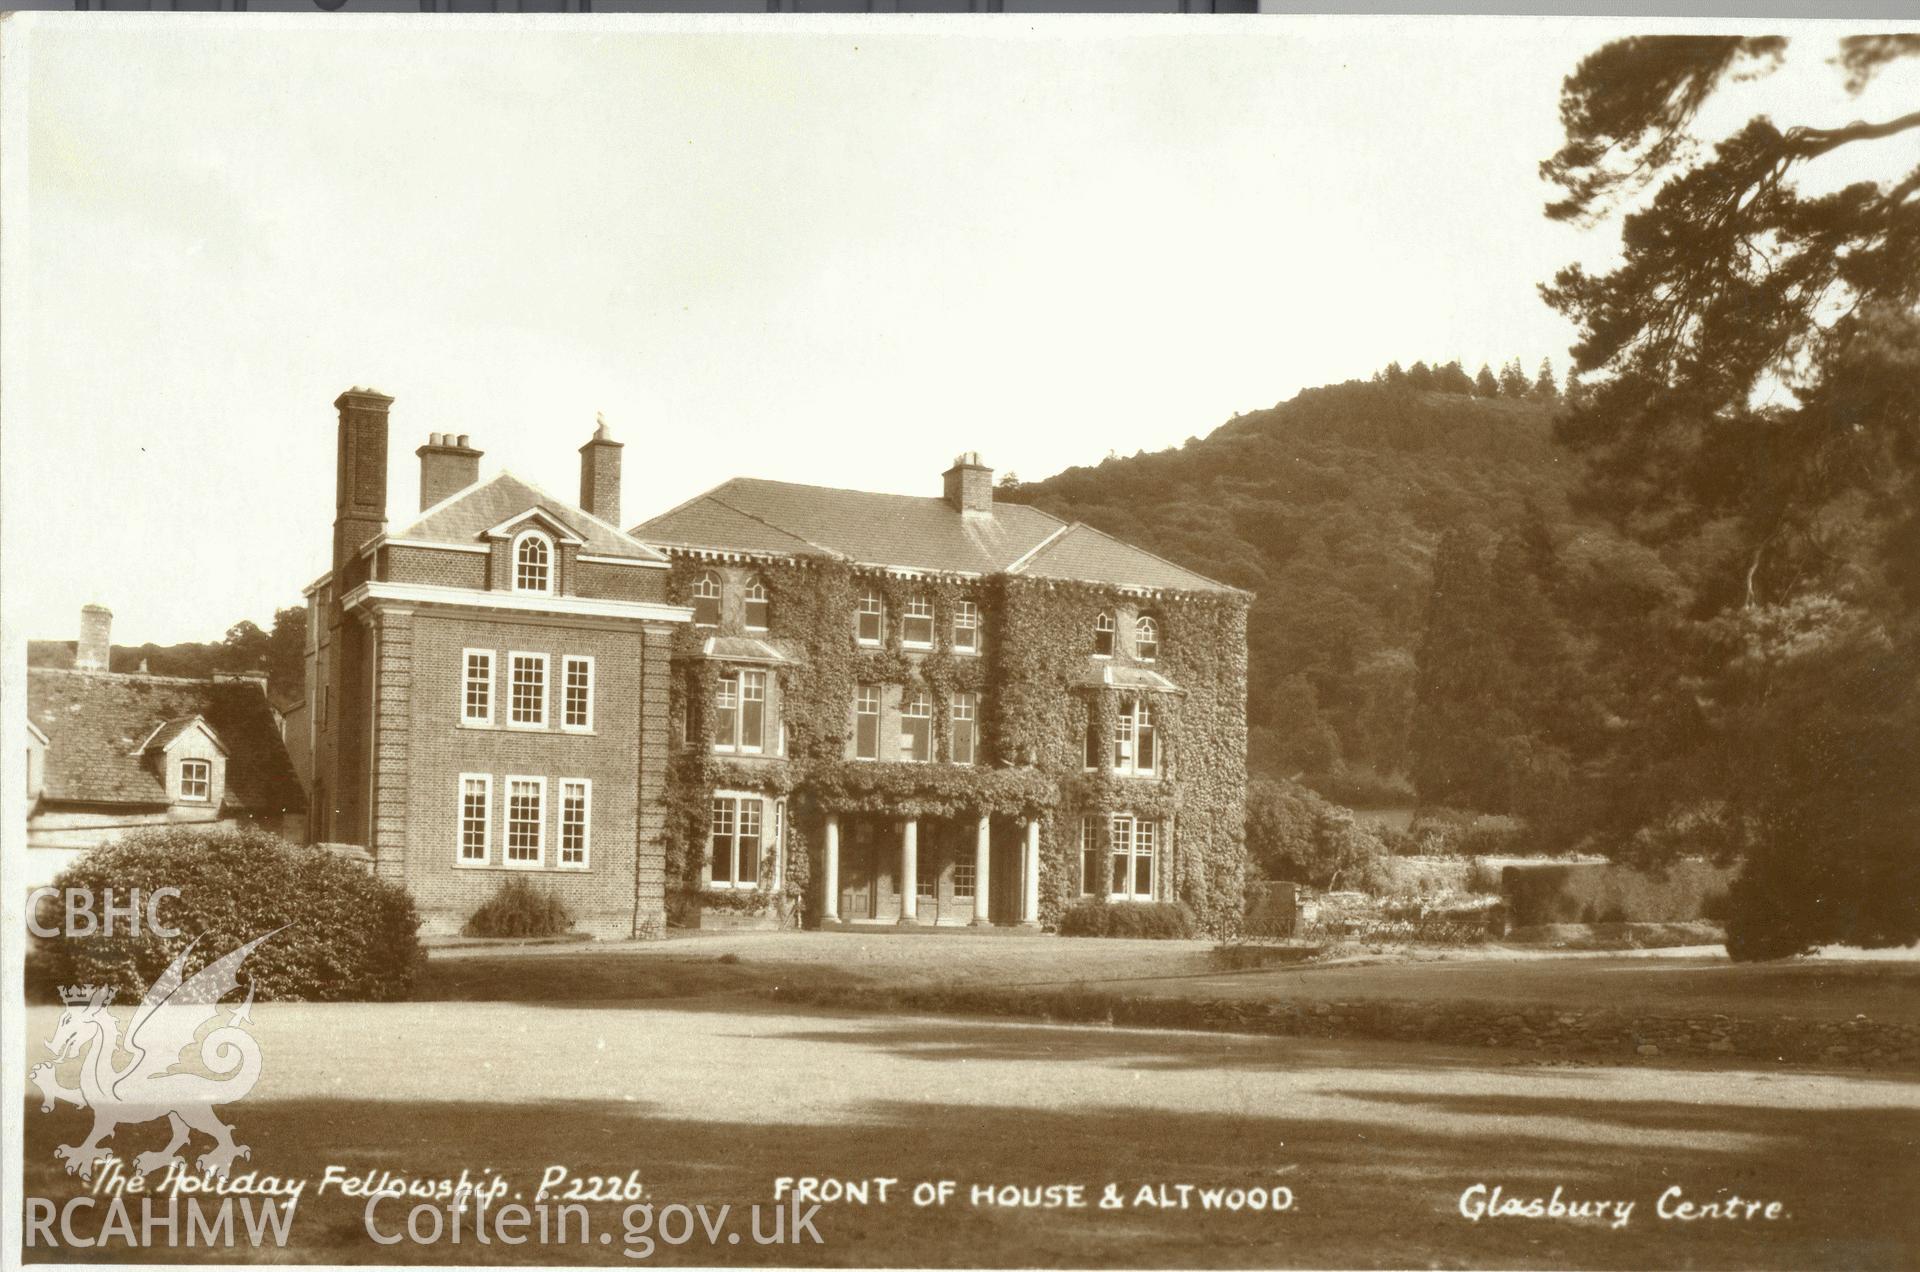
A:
(734, 840)
(1136, 740)
(1132, 844)
(740, 712)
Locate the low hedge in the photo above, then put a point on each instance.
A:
(1605, 892)
(518, 908)
(1156, 920)
(347, 936)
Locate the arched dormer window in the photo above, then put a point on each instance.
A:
(757, 609)
(1103, 635)
(1146, 638)
(706, 600)
(532, 562)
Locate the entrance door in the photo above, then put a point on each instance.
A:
(859, 873)
(932, 850)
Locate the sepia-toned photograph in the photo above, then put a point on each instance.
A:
(960, 641)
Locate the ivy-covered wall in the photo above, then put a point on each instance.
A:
(1033, 673)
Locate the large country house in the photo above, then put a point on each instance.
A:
(773, 704)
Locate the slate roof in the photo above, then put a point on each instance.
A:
(465, 517)
(909, 532)
(95, 721)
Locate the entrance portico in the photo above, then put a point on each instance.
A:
(980, 871)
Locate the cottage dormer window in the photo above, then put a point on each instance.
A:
(1146, 638)
(532, 562)
(196, 780)
(757, 609)
(1103, 636)
(706, 600)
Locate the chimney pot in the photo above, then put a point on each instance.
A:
(969, 484)
(600, 474)
(447, 467)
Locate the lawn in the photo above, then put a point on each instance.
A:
(713, 1099)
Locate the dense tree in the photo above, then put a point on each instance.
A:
(1484, 384)
(1452, 378)
(1753, 420)
(1295, 835)
(1513, 380)
(1420, 376)
(1544, 389)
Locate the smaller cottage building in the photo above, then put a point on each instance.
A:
(109, 752)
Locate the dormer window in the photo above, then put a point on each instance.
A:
(1103, 629)
(916, 626)
(706, 600)
(757, 608)
(870, 618)
(196, 780)
(533, 562)
(1146, 638)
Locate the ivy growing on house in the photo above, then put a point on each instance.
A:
(1038, 696)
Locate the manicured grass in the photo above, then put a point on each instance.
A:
(711, 1101)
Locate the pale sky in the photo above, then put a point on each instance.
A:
(836, 256)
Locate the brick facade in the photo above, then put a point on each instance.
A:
(398, 758)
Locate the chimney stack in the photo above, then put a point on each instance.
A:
(95, 650)
(600, 475)
(360, 484)
(969, 484)
(447, 466)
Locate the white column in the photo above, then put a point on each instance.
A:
(830, 910)
(982, 860)
(910, 871)
(1030, 876)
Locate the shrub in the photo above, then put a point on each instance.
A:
(1161, 920)
(1603, 892)
(518, 908)
(346, 936)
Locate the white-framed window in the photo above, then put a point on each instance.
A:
(532, 562)
(916, 625)
(1093, 876)
(1131, 846)
(735, 840)
(1146, 638)
(1136, 739)
(526, 690)
(576, 692)
(870, 618)
(576, 822)
(757, 611)
(916, 726)
(476, 819)
(866, 722)
(966, 627)
(526, 821)
(1103, 636)
(706, 600)
(963, 735)
(740, 712)
(476, 686)
(196, 780)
